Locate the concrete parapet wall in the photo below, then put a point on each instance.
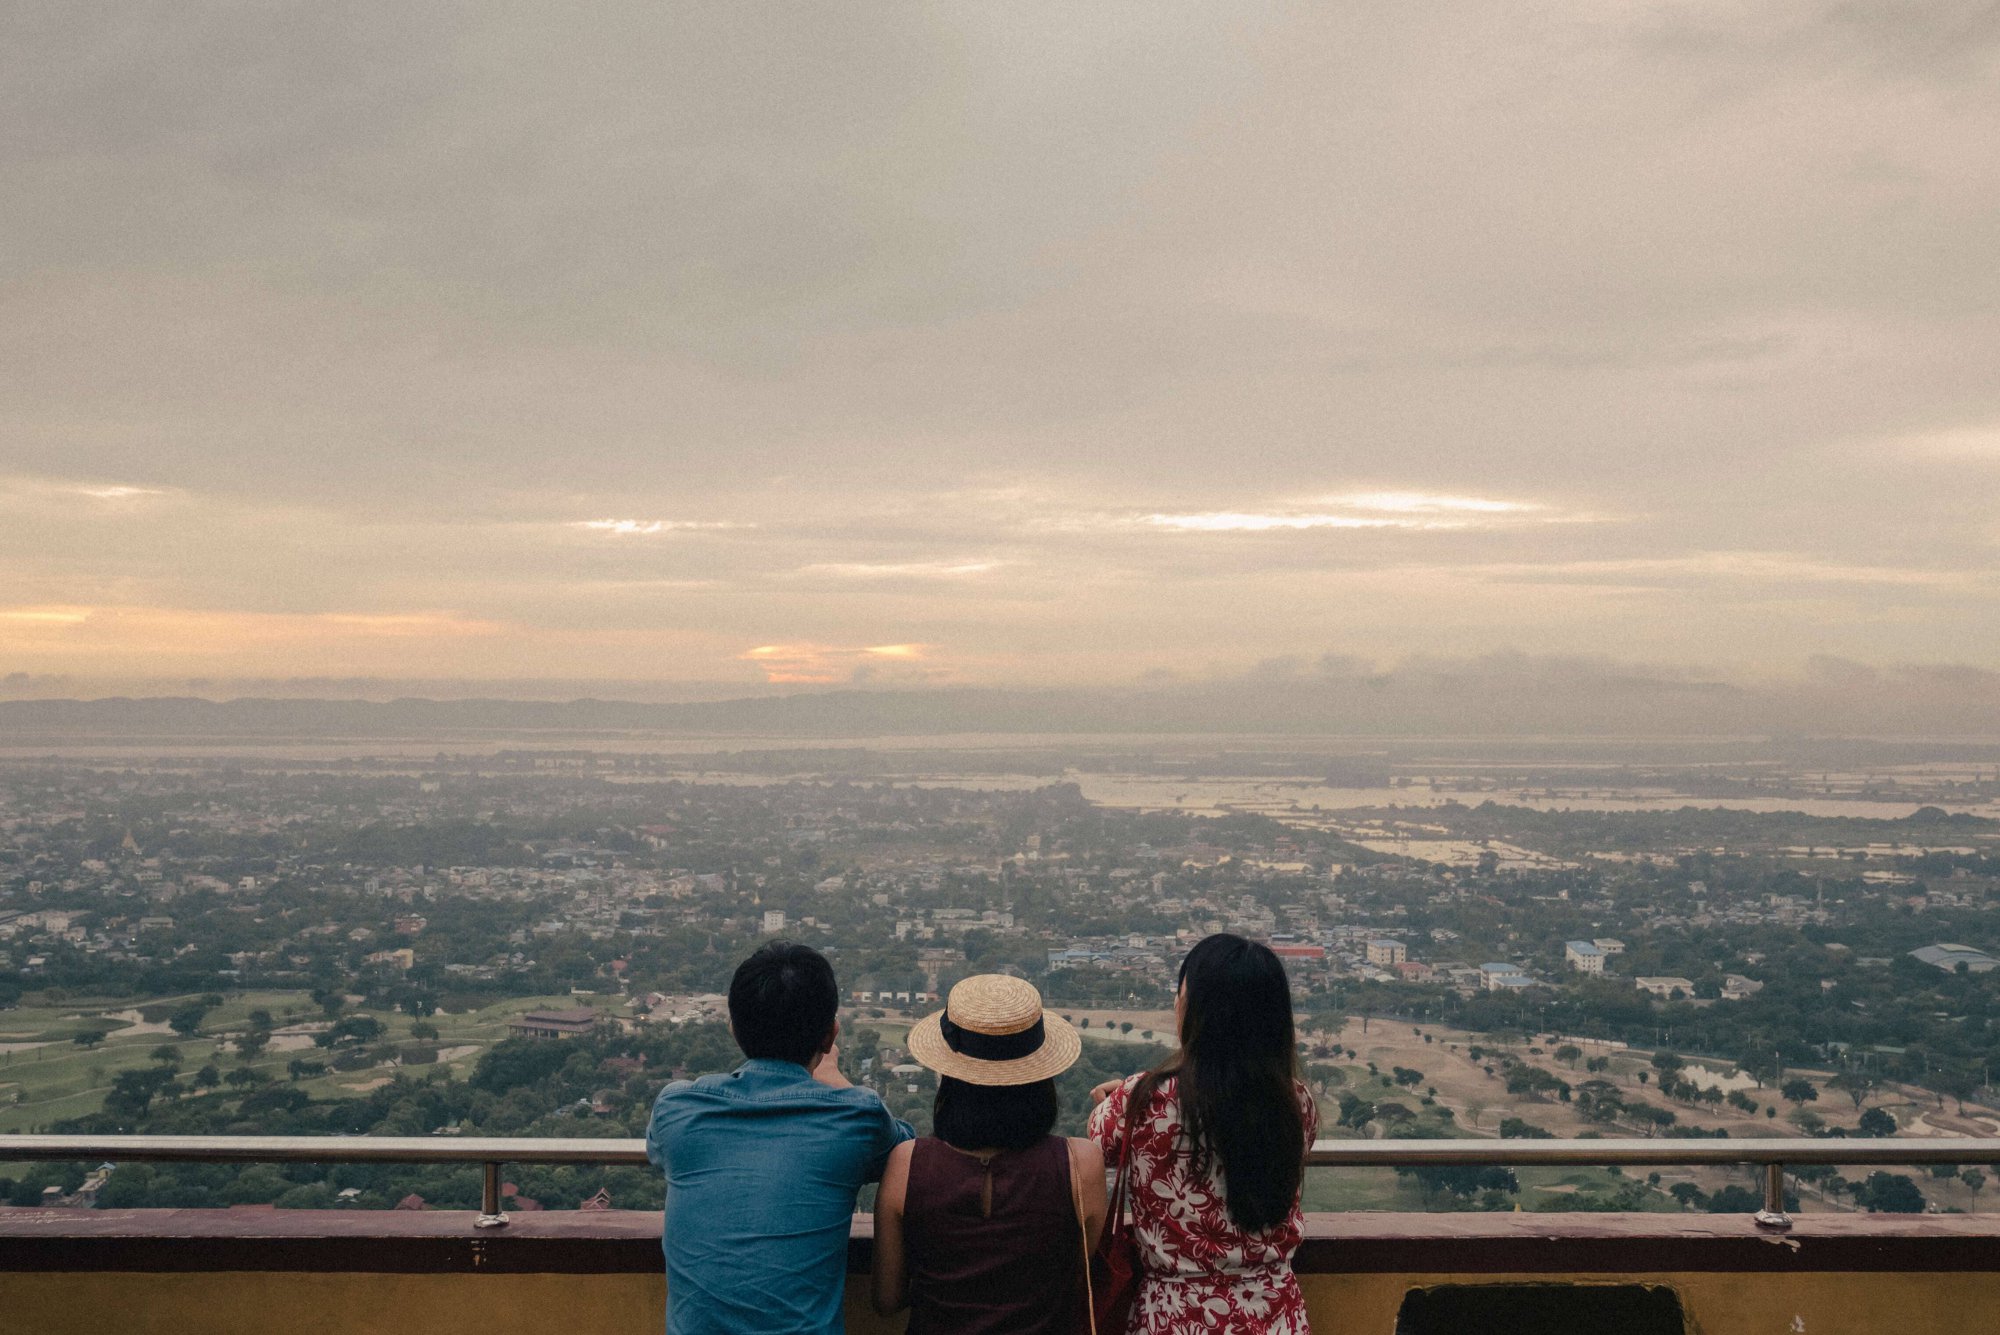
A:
(172, 1272)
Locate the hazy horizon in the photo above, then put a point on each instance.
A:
(1496, 696)
(716, 352)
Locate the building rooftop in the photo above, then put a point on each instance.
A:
(1948, 956)
(582, 1015)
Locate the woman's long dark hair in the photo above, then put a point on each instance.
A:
(1236, 1070)
(993, 1117)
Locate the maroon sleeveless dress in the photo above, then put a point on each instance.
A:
(998, 1259)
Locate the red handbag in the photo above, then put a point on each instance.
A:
(1114, 1269)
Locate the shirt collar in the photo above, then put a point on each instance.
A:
(775, 1069)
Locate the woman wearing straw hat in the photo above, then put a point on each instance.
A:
(982, 1228)
(1214, 1142)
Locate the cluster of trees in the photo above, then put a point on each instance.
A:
(1603, 1102)
(1731, 1199)
(600, 1084)
(597, 1085)
(1471, 1186)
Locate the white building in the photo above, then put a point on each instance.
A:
(1386, 954)
(1583, 956)
(1503, 977)
(774, 921)
(1664, 987)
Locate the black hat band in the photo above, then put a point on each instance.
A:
(991, 1047)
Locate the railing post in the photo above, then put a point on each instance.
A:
(1773, 1215)
(489, 1200)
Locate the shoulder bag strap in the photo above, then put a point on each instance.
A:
(1082, 1233)
(1114, 1220)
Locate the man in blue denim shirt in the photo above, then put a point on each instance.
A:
(763, 1163)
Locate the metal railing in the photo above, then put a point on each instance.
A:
(491, 1153)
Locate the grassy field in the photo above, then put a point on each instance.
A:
(46, 1077)
(58, 1079)
(1382, 1189)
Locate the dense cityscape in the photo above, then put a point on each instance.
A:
(531, 943)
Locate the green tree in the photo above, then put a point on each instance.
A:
(1530, 1080)
(1876, 1122)
(1733, 1199)
(1462, 1182)
(1799, 1091)
(186, 1020)
(1891, 1193)
(1355, 1112)
(1853, 1082)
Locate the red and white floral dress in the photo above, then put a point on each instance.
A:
(1199, 1272)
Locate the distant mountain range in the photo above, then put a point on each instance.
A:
(1538, 698)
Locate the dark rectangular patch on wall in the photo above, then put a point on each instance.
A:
(1540, 1309)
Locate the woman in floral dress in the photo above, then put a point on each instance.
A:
(1217, 1153)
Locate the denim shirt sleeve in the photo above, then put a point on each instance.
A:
(661, 1122)
(892, 1132)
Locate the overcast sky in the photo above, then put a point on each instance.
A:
(994, 342)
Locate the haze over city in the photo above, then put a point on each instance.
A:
(683, 352)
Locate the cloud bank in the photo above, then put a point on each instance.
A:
(1072, 344)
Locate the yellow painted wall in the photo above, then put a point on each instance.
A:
(107, 1303)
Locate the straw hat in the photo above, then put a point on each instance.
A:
(993, 1031)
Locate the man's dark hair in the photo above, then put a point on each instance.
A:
(782, 1001)
(993, 1117)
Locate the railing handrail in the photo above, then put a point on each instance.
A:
(490, 1152)
(327, 1149)
(1671, 1151)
